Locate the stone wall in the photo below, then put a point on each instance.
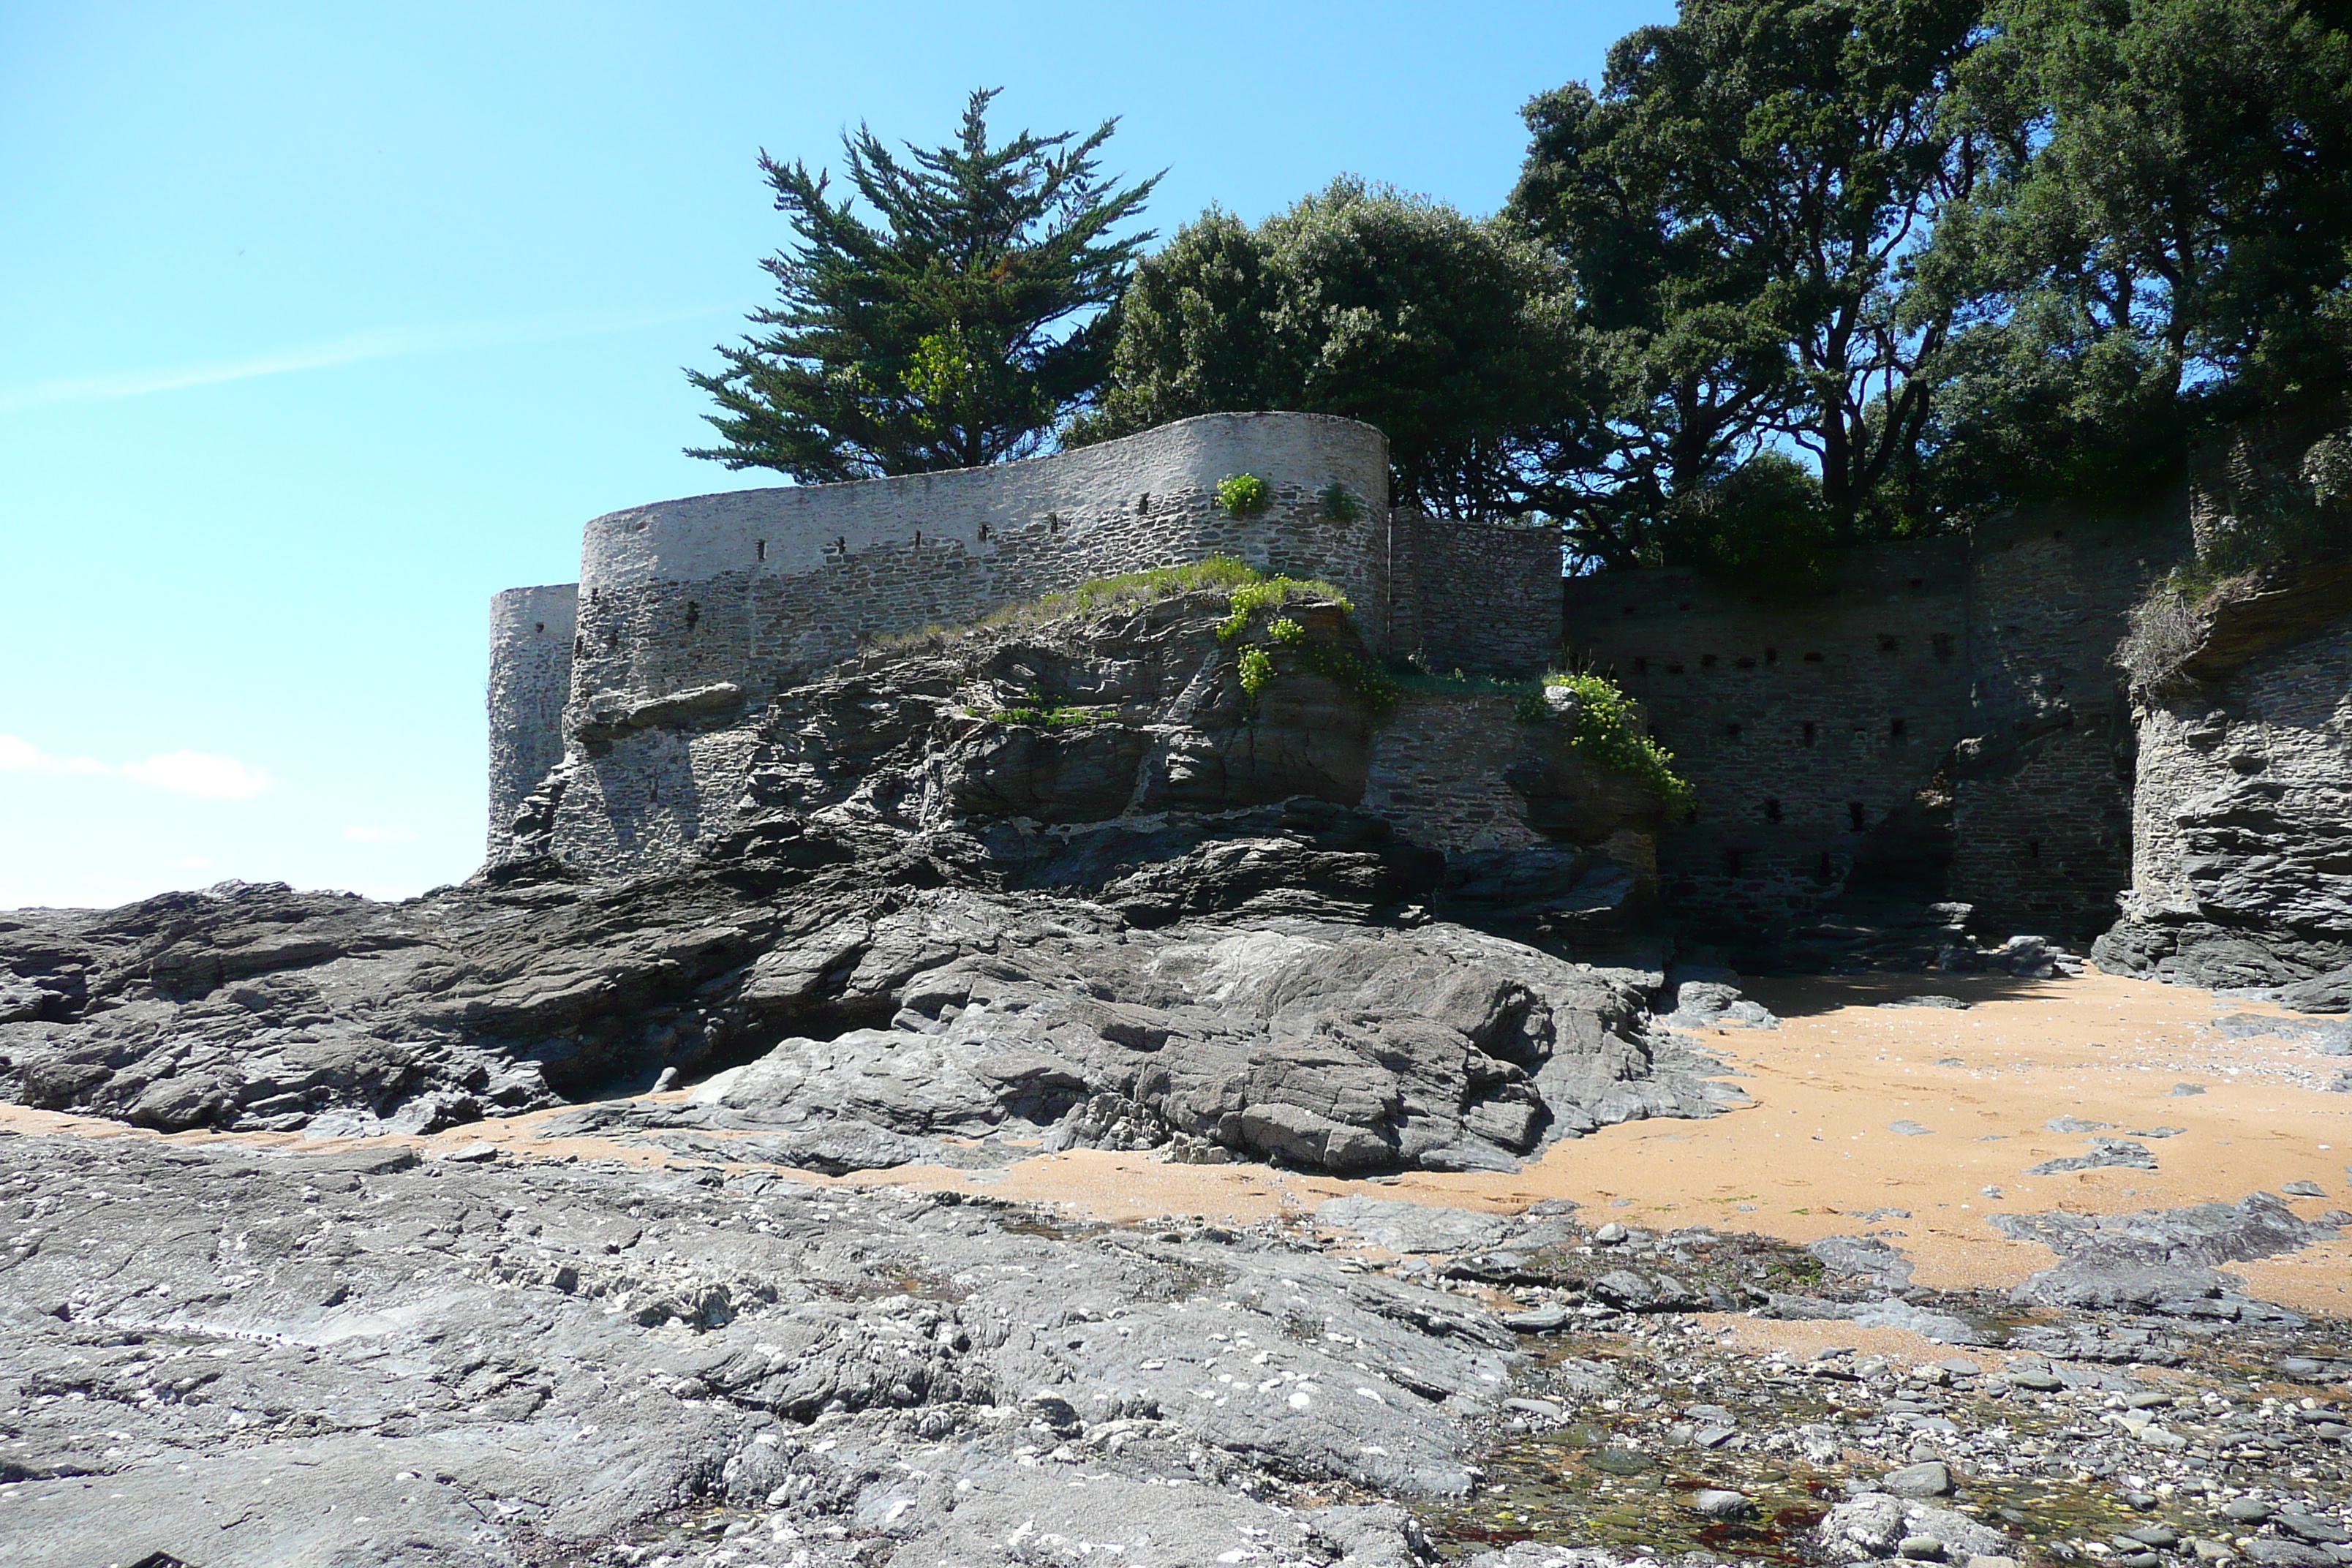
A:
(1804, 728)
(1947, 716)
(531, 679)
(759, 589)
(1437, 771)
(2041, 795)
(1477, 596)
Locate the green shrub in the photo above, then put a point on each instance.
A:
(1243, 495)
(1272, 594)
(1762, 527)
(1338, 506)
(1285, 631)
(1257, 670)
(1606, 734)
(1048, 716)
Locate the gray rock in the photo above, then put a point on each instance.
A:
(2278, 1553)
(2304, 1190)
(1880, 1262)
(2304, 1527)
(1412, 1227)
(2105, 1152)
(1876, 1523)
(198, 1351)
(1717, 1503)
(1928, 999)
(1704, 1005)
(1932, 1478)
(2075, 1124)
(2329, 993)
(2161, 1259)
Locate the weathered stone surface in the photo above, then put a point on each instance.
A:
(2242, 820)
(1330, 1048)
(323, 1357)
(2159, 1260)
(1877, 1525)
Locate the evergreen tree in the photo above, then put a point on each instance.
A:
(958, 330)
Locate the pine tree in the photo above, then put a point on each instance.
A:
(959, 330)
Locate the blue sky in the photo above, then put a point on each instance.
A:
(319, 324)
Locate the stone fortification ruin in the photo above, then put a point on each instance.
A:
(690, 614)
(1942, 742)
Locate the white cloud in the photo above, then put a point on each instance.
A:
(182, 772)
(352, 348)
(381, 833)
(198, 773)
(21, 756)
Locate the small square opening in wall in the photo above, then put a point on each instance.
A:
(539, 627)
(1811, 732)
(1732, 730)
(1888, 643)
(1813, 658)
(759, 550)
(1707, 661)
(1772, 811)
(2033, 849)
(1673, 670)
(1826, 872)
(1732, 862)
(1898, 730)
(1854, 815)
(1772, 656)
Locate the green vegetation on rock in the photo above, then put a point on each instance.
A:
(1608, 733)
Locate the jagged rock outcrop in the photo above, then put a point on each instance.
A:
(2241, 865)
(936, 914)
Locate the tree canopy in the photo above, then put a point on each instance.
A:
(1793, 274)
(1740, 203)
(960, 329)
(1456, 337)
(2161, 245)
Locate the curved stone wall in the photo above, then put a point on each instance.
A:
(531, 631)
(759, 589)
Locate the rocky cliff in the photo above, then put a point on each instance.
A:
(2241, 865)
(1078, 877)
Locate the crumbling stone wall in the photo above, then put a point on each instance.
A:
(2041, 791)
(1437, 772)
(531, 680)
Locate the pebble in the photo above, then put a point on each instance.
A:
(1930, 1478)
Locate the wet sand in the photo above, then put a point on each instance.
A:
(1828, 1148)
